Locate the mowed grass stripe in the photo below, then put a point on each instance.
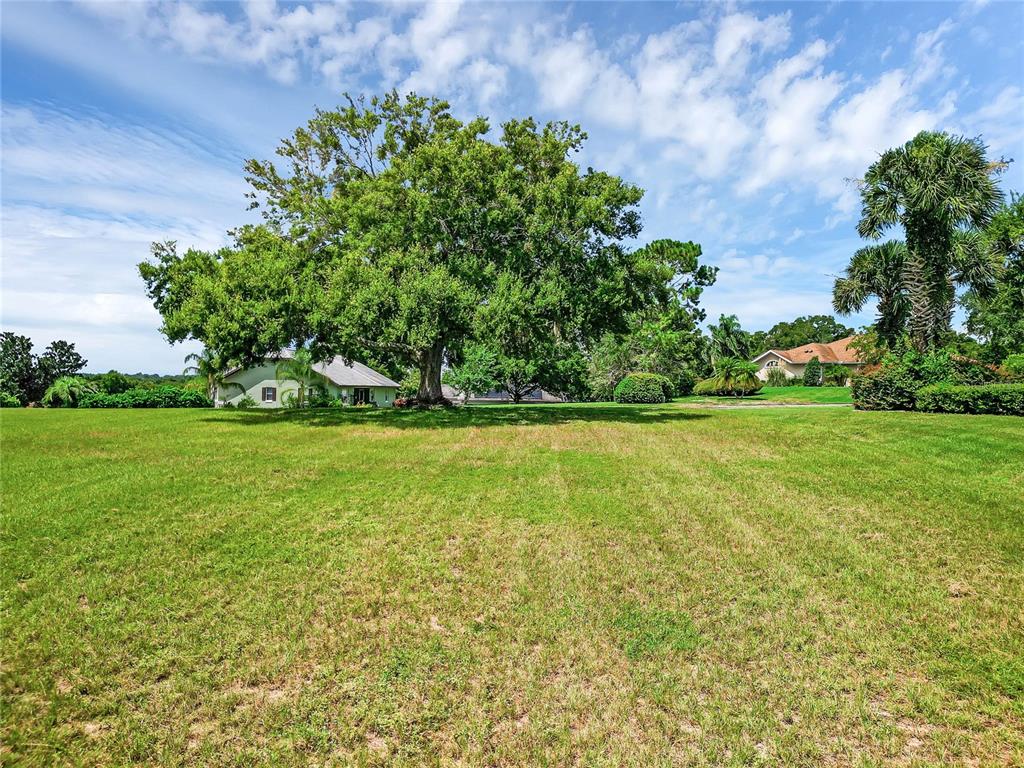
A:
(588, 584)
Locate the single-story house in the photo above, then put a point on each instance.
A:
(793, 361)
(353, 382)
(500, 396)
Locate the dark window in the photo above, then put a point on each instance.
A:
(360, 395)
(270, 394)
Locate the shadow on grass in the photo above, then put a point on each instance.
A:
(467, 416)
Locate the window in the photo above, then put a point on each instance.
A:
(360, 395)
(772, 364)
(269, 395)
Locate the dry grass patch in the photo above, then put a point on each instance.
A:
(568, 585)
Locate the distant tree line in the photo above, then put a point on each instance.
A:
(25, 376)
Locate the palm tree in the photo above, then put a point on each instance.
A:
(67, 391)
(299, 368)
(737, 377)
(938, 188)
(876, 270)
(210, 367)
(728, 339)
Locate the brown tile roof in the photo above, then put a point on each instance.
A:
(838, 351)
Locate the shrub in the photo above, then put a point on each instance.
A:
(247, 401)
(67, 392)
(705, 387)
(835, 375)
(812, 373)
(894, 384)
(684, 384)
(736, 377)
(1013, 367)
(714, 387)
(641, 388)
(409, 386)
(777, 377)
(885, 389)
(114, 382)
(163, 396)
(667, 387)
(7, 400)
(1007, 399)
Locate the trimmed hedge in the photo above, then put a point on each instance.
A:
(885, 390)
(642, 388)
(1006, 399)
(157, 397)
(893, 386)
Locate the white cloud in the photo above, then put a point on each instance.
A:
(741, 35)
(83, 197)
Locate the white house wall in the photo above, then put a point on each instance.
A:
(253, 380)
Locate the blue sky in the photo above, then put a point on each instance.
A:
(127, 123)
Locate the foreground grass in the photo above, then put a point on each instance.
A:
(781, 395)
(592, 585)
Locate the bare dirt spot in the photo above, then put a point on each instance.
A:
(376, 743)
(197, 733)
(259, 694)
(83, 603)
(94, 730)
(958, 589)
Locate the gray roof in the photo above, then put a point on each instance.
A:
(336, 370)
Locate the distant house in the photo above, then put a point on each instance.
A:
(793, 361)
(354, 383)
(500, 396)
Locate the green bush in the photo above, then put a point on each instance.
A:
(667, 387)
(705, 387)
(409, 386)
(894, 384)
(7, 400)
(684, 384)
(641, 388)
(246, 402)
(114, 382)
(714, 387)
(812, 373)
(1013, 366)
(777, 377)
(835, 376)
(1007, 399)
(163, 396)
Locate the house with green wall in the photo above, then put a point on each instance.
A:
(353, 382)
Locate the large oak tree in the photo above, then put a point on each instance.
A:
(390, 229)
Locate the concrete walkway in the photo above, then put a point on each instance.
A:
(764, 404)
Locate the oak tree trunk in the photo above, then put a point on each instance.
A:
(430, 375)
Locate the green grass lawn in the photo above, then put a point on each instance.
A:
(781, 395)
(574, 585)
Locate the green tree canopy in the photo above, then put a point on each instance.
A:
(998, 318)
(476, 372)
(663, 336)
(389, 229)
(809, 329)
(27, 376)
(940, 189)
